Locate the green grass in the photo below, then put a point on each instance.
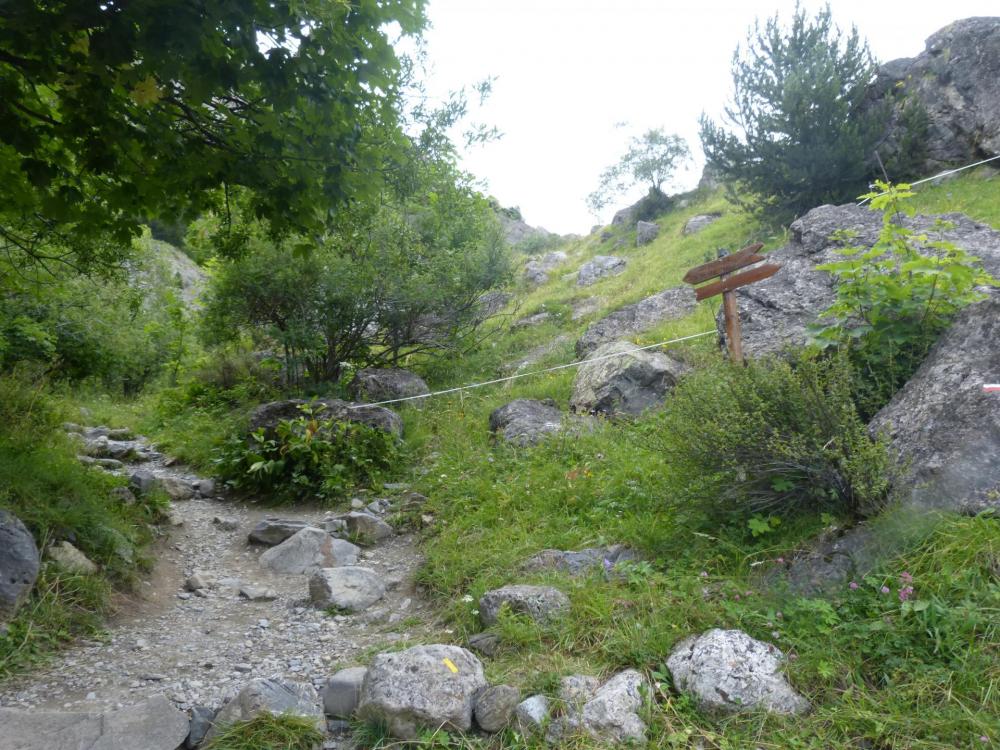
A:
(268, 731)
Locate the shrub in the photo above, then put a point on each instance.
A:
(308, 457)
(774, 437)
(894, 299)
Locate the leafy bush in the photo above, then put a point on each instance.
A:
(772, 438)
(650, 159)
(308, 457)
(894, 299)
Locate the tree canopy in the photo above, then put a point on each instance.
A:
(799, 135)
(118, 111)
(650, 159)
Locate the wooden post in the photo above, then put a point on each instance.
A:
(723, 269)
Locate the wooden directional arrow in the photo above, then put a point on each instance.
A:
(721, 269)
(740, 259)
(735, 281)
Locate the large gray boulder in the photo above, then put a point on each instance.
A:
(351, 588)
(727, 672)
(272, 696)
(609, 714)
(954, 78)
(775, 312)
(154, 724)
(366, 526)
(422, 687)
(943, 426)
(267, 416)
(536, 271)
(386, 384)
(18, 563)
(623, 379)
(598, 267)
(525, 421)
(540, 603)
(632, 319)
(307, 551)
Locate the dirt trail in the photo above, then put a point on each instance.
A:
(202, 649)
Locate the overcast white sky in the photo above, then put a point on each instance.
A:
(569, 70)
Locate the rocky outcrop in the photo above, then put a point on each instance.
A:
(424, 687)
(153, 724)
(646, 232)
(598, 267)
(269, 696)
(516, 231)
(18, 563)
(943, 425)
(525, 422)
(954, 79)
(775, 312)
(267, 416)
(307, 551)
(540, 603)
(727, 671)
(696, 223)
(351, 588)
(536, 271)
(386, 384)
(632, 319)
(623, 379)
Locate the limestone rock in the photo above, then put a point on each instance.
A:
(267, 416)
(484, 643)
(775, 312)
(18, 563)
(609, 715)
(70, 558)
(153, 724)
(943, 425)
(540, 603)
(646, 232)
(352, 588)
(599, 267)
(531, 714)
(201, 721)
(307, 551)
(142, 482)
(368, 527)
(373, 384)
(495, 707)
(696, 223)
(423, 687)
(578, 562)
(576, 689)
(727, 671)
(525, 422)
(178, 488)
(271, 696)
(954, 78)
(342, 692)
(632, 319)
(626, 380)
(272, 531)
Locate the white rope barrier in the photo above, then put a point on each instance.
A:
(940, 175)
(530, 374)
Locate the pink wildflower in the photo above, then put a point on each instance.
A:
(905, 577)
(853, 585)
(737, 597)
(780, 560)
(884, 589)
(905, 593)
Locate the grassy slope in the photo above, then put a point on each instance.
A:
(877, 672)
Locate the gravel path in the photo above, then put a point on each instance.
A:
(202, 649)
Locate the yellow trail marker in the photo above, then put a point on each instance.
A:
(451, 665)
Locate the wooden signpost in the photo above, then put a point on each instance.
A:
(728, 281)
